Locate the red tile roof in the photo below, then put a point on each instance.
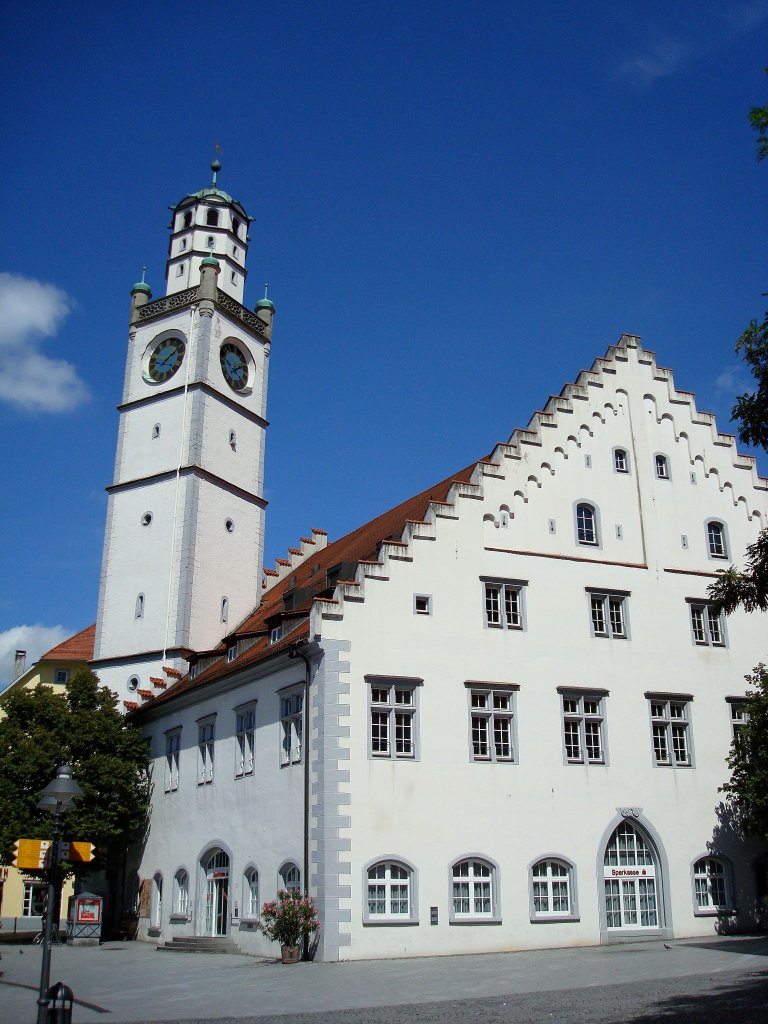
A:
(77, 648)
(360, 545)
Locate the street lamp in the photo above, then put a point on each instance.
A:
(59, 795)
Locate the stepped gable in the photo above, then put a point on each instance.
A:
(369, 550)
(77, 648)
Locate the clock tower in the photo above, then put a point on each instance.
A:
(183, 545)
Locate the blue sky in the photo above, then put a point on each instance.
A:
(457, 205)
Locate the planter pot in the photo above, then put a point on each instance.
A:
(290, 954)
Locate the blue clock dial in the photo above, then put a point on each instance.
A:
(166, 358)
(234, 366)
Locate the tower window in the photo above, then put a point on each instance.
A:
(140, 606)
(210, 242)
(180, 270)
(133, 683)
(232, 440)
(183, 244)
(233, 276)
(229, 525)
(224, 609)
(212, 218)
(156, 431)
(662, 467)
(235, 251)
(187, 218)
(146, 519)
(235, 226)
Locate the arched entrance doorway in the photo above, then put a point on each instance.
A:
(216, 868)
(631, 879)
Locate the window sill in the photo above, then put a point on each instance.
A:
(179, 918)
(154, 932)
(481, 920)
(555, 919)
(715, 912)
(244, 775)
(391, 924)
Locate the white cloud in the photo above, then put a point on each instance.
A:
(35, 640)
(732, 381)
(30, 311)
(661, 59)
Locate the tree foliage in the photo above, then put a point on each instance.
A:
(748, 588)
(108, 756)
(748, 761)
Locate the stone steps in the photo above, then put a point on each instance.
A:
(199, 944)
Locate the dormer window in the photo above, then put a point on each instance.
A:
(232, 652)
(275, 634)
(194, 670)
(212, 218)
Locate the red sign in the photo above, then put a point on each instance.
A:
(87, 911)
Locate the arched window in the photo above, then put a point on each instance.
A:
(187, 218)
(662, 467)
(473, 890)
(224, 608)
(553, 894)
(235, 226)
(389, 892)
(156, 431)
(156, 913)
(290, 877)
(181, 893)
(212, 218)
(710, 886)
(586, 524)
(140, 606)
(620, 460)
(251, 906)
(716, 539)
(630, 881)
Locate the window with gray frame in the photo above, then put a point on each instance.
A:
(172, 748)
(609, 613)
(393, 717)
(670, 726)
(716, 540)
(710, 886)
(553, 890)
(586, 524)
(245, 728)
(389, 893)
(291, 726)
(206, 731)
(492, 722)
(504, 605)
(707, 625)
(473, 890)
(584, 726)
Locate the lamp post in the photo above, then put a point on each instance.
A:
(59, 795)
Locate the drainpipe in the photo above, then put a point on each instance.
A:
(296, 652)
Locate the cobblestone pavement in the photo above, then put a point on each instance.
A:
(722, 981)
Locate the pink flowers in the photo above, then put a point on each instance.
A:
(289, 918)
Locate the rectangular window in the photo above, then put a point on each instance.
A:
(392, 717)
(739, 717)
(62, 675)
(245, 727)
(292, 726)
(34, 899)
(491, 724)
(670, 730)
(707, 626)
(422, 604)
(504, 604)
(583, 726)
(608, 614)
(205, 736)
(662, 467)
(172, 747)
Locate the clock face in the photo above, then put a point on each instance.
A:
(234, 366)
(165, 360)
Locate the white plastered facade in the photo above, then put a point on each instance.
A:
(514, 523)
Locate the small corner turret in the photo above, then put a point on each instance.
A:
(141, 294)
(208, 225)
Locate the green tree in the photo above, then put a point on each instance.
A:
(108, 756)
(748, 761)
(747, 588)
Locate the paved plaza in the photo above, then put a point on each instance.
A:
(722, 981)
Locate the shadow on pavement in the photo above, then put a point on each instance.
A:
(757, 946)
(743, 1003)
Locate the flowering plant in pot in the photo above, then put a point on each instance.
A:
(287, 919)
